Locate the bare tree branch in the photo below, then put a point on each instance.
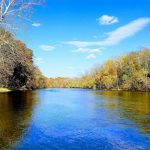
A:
(16, 8)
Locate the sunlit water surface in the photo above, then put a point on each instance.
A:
(74, 119)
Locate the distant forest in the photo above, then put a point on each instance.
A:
(128, 72)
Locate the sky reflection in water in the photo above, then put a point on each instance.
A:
(74, 119)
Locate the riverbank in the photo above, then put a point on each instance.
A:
(125, 90)
(2, 90)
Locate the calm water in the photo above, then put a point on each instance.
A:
(74, 119)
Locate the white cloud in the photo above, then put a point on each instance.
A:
(117, 35)
(38, 60)
(47, 47)
(87, 50)
(107, 20)
(36, 24)
(94, 50)
(91, 56)
(91, 51)
(82, 50)
(126, 31)
(77, 43)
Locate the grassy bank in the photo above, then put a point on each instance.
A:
(4, 90)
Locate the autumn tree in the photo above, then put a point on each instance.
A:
(14, 55)
(17, 69)
(128, 72)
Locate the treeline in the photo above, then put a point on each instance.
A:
(59, 82)
(128, 72)
(16, 65)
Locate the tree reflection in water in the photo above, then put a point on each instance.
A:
(134, 106)
(15, 114)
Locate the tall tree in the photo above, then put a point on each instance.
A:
(16, 8)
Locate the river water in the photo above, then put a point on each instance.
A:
(74, 119)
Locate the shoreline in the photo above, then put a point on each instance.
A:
(4, 90)
(117, 90)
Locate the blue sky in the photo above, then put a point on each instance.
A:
(69, 37)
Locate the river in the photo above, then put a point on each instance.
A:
(74, 119)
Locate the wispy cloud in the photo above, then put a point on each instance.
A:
(91, 56)
(94, 50)
(117, 35)
(47, 47)
(36, 24)
(77, 43)
(87, 50)
(38, 60)
(107, 20)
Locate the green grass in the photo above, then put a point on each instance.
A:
(4, 90)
